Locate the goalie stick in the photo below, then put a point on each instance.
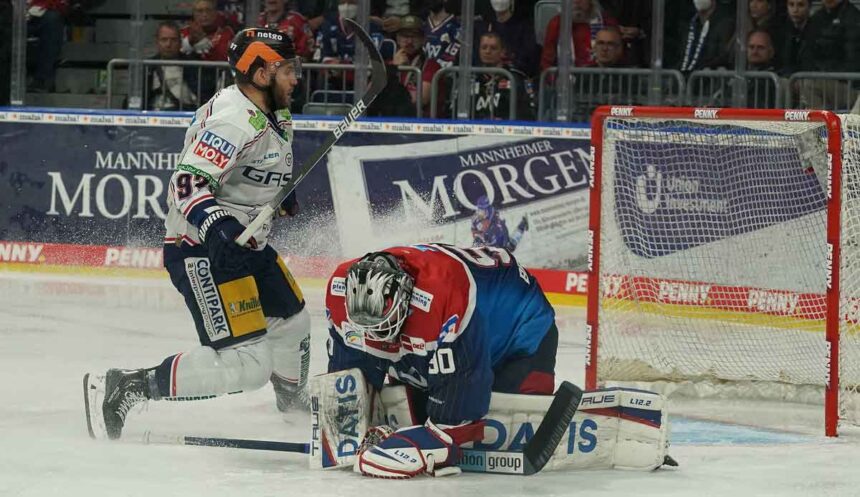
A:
(531, 460)
(378, 80)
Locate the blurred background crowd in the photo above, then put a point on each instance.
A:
(487, 59)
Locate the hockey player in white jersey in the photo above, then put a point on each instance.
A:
(248, 310)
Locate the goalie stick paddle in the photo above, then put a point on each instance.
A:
(531, 460)
(539, 449)
(378, 80)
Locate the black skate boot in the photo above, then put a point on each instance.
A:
(124, 389)
(289, 395)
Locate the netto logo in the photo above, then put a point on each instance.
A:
(646, 203)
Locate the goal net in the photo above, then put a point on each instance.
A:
(722, 248)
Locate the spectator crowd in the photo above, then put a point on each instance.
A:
(784, 37)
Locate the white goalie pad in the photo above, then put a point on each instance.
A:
(613, 428)
(343, 407)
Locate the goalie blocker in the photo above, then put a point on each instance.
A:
(613, 428)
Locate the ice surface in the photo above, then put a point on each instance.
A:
(54, 328)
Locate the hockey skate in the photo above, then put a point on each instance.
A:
(108, 398)
(289, 395)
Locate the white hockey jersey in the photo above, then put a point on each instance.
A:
(234, 157)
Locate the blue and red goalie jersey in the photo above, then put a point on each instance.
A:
(442, 41)
(471, 309)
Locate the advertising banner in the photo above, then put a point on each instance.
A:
(101, 179)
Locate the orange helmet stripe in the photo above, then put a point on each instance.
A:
(254, 50)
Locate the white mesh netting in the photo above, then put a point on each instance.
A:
(713, 257)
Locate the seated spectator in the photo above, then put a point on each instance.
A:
(763, 16)
(795, 35)
(491, 93)
(441, 34)
(441, 47)
(761, 93)
(760, 52)
(518, 34)
(833, 46)
(335, 40)
(290, 22)
(46, 22)
(710, 37)
(410, 42)
(593, 90)
(204, 37)
(232, 13)
(172, 87)
(588, 19)
(609, 48)
(634, 21)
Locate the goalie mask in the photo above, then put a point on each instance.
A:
(378, 292)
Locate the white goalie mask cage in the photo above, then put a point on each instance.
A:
(378, 292)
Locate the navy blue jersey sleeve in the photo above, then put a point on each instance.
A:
(341, 357)
(460, 379)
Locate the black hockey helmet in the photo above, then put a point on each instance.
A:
(254, 47)
(378, 293)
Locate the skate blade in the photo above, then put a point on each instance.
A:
(94, 392)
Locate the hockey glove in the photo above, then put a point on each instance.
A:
(407, 452)
(219, 232)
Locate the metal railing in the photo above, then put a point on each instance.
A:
(723, 88)
(454, 72)
(836, 91)
(221, 70)
(321, 83)
(591, 87)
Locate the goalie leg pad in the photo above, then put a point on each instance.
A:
(343, 407)
(613, 428)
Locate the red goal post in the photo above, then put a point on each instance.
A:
(675, 189)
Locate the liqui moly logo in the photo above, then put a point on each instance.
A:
(215, 149)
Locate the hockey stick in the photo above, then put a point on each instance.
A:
(531, 460)
(378, 79)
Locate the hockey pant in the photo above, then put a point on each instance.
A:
(251, 323)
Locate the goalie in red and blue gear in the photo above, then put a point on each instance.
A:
(453, 324)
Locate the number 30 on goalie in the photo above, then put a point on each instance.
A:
(442, 362)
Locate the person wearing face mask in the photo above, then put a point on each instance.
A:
(709, 37)
(517, 34)
(336, 41)
(205, 36)
(588, 19)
